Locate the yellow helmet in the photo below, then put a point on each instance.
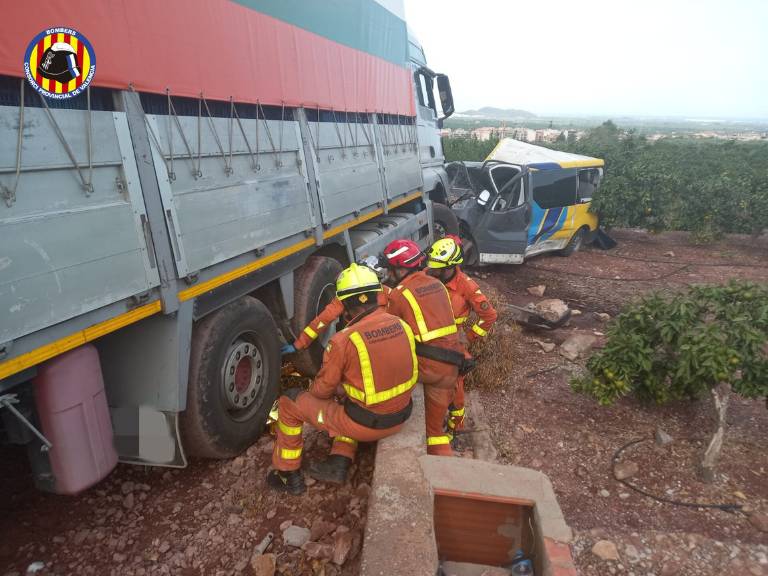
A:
(356, 280)
(444, 253)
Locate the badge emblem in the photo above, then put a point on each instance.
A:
(60, 63)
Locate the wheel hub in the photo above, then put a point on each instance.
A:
(243, 375)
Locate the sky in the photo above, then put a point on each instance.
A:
(683, 58)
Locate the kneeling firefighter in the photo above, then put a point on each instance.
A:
(371, 364)
(443, 262)
(330, 314)
(424, 304)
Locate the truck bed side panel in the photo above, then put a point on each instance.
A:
(49, 274)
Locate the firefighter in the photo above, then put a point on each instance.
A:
(423, 302)
(443, 262)
(371, 364)
(330, 314)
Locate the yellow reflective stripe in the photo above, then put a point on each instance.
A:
(320, 325)
(365, 366)
(451, 424)
(459, 412)
(309, 332)
(478, 291)
(424, 334)
(438, 440)
(479, 331)
(289, 430)
(287, 454)
(370, 396)
(320, 417)
(462, 319)
(353, 392)
(345, 439)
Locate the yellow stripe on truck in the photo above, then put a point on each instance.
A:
(227, 277)
(38, 355)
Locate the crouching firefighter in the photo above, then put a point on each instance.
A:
(443, 262)
(371, 365)
(424, 304)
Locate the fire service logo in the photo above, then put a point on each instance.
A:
(60, 63)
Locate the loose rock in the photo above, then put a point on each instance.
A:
(759, 521)
(552, 309)
(263, 564)
(318, 551)
(662, 438)
(604, 493)
(296, 536)
(546, 346)
(321, 528)
(128, 501)
(605, 550)
(342, 544)
(602, 316)
(624, 470)
(576, 345)
(537, 290)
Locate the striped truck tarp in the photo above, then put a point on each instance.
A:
(332, 54)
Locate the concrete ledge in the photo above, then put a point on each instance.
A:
(399, 532)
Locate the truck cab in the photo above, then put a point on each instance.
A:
(429, 120)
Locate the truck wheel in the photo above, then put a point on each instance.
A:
(445, 221)
(234, 378)
(574, 243)
(315, 288)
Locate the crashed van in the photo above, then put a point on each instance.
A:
(524, 200)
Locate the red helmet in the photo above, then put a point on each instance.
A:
(403, 254)
(454, 238)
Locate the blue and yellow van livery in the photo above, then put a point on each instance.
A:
(525, 200)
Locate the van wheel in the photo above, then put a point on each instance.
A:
(444, 221)
(315, 288)
(574, 244)
(234, 378)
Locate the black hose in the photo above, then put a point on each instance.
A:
(731, 507)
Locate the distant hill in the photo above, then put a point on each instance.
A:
(498, 113)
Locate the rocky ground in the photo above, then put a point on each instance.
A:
(206, 520)
(210, 518)
(538, 422)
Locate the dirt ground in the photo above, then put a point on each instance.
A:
(208, 518)
(538, 422)
(204, 520)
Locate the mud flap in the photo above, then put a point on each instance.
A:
(603, 241)
(145, 435)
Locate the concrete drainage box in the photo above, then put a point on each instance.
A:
(485, 512)
(482, 530)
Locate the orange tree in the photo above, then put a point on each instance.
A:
(707, 187)
(709, 339)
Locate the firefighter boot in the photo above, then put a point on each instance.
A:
(291, 481)
(333, 469)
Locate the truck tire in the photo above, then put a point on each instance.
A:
(315, 284)
(445, 221)
(234, 378)
(574, 243)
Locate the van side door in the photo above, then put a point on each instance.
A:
(553, 206)
(502, 232)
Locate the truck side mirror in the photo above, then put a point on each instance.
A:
(483, 198)
(446, 96)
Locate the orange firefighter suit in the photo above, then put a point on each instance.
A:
(423, 302)
(372, 363)
(466, 297)
(330, 314)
